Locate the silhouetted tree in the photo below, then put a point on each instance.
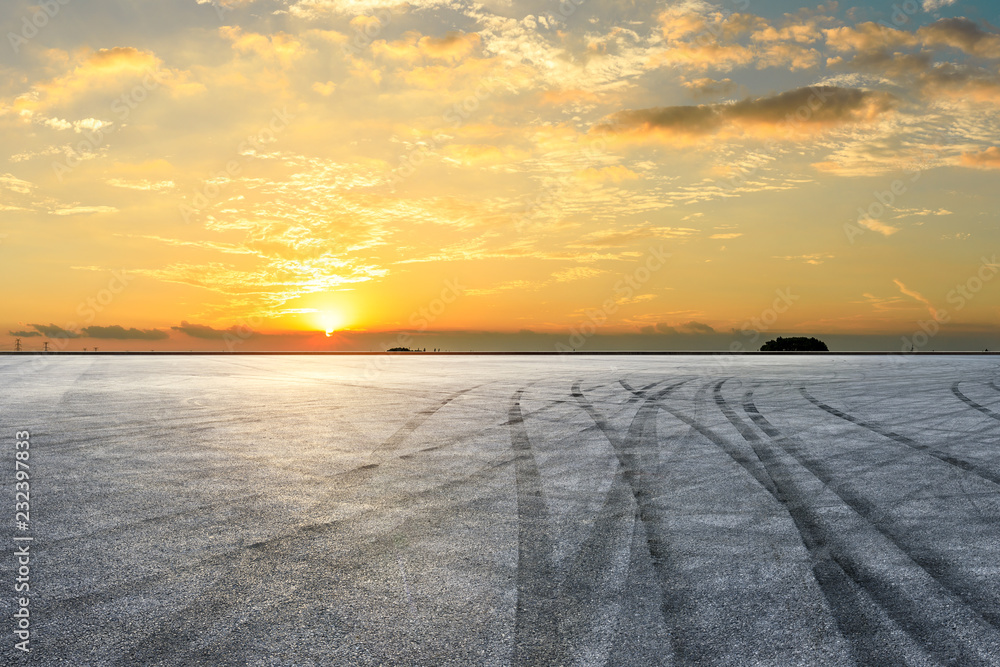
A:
(794, 344)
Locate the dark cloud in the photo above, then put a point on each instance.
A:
(961, 82)
(695, 328)
(24, 334)
(208, 333)
(690, 328)
(799, 109)
(117, 332)
(54, 331)
(884, 62)
(963, 34)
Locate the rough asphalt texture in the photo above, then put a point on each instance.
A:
(506, 510)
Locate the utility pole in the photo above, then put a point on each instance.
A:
(17, 344)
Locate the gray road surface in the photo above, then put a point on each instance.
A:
(504, 510)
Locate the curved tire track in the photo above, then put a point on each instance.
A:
(972, 404)
(962, 464)
(923, 554)
(850, 568)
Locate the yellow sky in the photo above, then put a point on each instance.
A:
(303, 165)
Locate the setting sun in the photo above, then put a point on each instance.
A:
(330, 321)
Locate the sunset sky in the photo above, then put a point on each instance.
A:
(197, 174)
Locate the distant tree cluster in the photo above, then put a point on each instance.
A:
(794, 344)
(399, 349)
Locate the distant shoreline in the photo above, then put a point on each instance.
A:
(581, 353)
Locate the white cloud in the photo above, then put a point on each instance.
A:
(157, 186)
(934, 5)
(84, 210)
(15, 184)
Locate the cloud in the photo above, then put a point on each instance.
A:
(15, 184)
(279, 48)
(84, 210)
(691, 328)
(577, 273)
(325, 89)
(103, 71)
(961, 83)
(811, 110)
(816, 258)
(117, 332)
(612, 238)
(453, 46)
(876, 226)
(963, 34)
(414, 47)
(705, 87)
(918, 296)
(934, 5)
(208, 333)
(24, 334)
(54, 331)
(883, 62)
(868, 36)
(726, 235)
(143, 184)
(987, 159)
(695, 328)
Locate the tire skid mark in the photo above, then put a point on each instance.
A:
(641, 437)
(590, 597)
(854, 612)
(637, 394)
(927, 612)
(746, 459)
(853, 609)
(546, 407)
(413, 423)
(177, 636)
(746, 431)
(536, 629)
(908, 542)
(962, 464)
(972, 404)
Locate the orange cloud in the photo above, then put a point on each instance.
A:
(413, 47)
(710, 87)
(279, 47)
(868, 36)
(987, 159)
(103, 69)
(709, 56)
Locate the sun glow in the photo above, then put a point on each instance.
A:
(331, 321)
